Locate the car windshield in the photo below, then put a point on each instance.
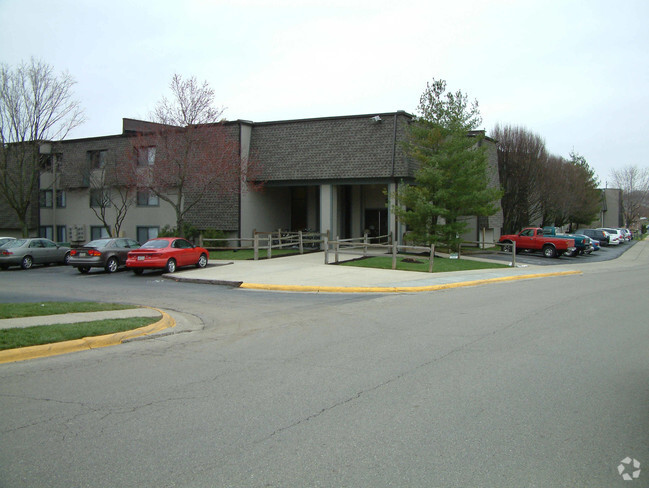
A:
(99, 243)
(14, 243)
(157, 244)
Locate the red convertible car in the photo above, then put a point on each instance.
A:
(168, 253)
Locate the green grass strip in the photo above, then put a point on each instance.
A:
(18, 310)
(440, 265)
(243, 254)
(48, 334)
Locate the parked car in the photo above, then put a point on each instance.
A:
(600, 235)
(614, 236)
(109, 254)
(593, 242)
(27, 252)
(533, 239)
(4, 240)
(626, 233)
(168, 253)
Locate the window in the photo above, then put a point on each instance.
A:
(60, 233)
(98, 232)
(99, 197)
(46, 161)
(60, 198)
(45, 231)
(97, 159)
(146, 198)
(146, 156)
(146, 233)
(182, 244)
(45, 198)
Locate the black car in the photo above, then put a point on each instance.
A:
(109, 254)
(598, 235)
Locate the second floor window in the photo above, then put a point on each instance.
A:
(145, 198)
(60, 198)
(45, 199)
(99, 198)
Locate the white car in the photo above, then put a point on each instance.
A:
(626, 233)
(615, 236)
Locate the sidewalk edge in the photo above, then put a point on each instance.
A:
(44, 350)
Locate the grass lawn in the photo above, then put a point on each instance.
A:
(243, 254)
(47, 334)
(17, 310)
(440, 265)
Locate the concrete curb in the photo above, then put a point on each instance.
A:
(399, 289)
(44, 350)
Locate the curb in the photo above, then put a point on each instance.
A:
(86, 343)
(399, 289)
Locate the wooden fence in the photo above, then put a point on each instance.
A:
(279, 239)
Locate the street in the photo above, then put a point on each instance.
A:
(530, 383)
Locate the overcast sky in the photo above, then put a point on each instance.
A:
(574, 72)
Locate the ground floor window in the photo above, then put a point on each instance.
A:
(146, 233)
(46, 232)
(98, 232)
(61, 233)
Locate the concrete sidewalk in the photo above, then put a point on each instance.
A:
(309, 273)
(74, 318)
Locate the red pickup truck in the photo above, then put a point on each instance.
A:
(532, 239)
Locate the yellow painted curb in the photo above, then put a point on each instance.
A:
(399, 289)
(44, 350)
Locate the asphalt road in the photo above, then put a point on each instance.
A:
(532, 383)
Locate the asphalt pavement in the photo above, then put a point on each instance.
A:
(300, 273)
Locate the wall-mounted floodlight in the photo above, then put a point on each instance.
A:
(376, 119)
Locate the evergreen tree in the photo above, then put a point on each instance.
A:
(452, 180)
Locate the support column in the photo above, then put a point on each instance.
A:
(327, 209)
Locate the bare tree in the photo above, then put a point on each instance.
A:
(113, 190)
(634, 183)
(195, 153)
(568, 191)
(36, 106)
(521, 158)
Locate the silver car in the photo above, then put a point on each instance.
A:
(27, 252)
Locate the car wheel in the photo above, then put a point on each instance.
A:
(202, 261)
(66, 258)
(27, 262)
(171, 266)
(111, 265)
(549, 252)
(138, 271)
(507, 246)
(83, 269)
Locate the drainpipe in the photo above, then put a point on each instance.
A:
(394, 179)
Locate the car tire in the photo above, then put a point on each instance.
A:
(138, 271)
(171, 266)
(111, 265)
(27, 262)
(84, 269)
(66, 258)
(507, 247)
(202, 261)
(549, 251)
